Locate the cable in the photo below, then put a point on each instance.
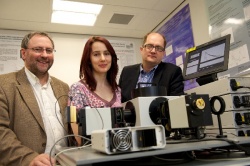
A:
(100, 117)
(83, 118)
(60, 111)
(83, 96)
(191, 141)
(239, 87)
(223, 132)
(72, 140)
(224, 153)
(232, 142)
(222, 159)
(151, 161)
(247, 151)
(235, 85)
(72, 135)
(70, 149)
(184, 154)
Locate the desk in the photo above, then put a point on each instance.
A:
(88, 156)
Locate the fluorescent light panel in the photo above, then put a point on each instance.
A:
(68, 12)
(73, 18)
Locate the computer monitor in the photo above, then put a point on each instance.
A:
(205, 61)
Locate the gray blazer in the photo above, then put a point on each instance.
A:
(22, 133)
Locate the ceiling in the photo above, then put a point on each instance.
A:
(36, 15)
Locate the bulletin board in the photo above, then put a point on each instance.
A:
(232, 17)
(179, 35)
(67, 58)
(10, 53)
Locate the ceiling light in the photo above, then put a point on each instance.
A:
(78, 13)
(73, 18)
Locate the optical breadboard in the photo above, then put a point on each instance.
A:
(128, 139)
(222, 87)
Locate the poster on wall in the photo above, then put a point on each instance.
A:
(232, 17)
(125, 51)
(10, 53)
(179, 35)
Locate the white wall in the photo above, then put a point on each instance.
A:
(69, 48)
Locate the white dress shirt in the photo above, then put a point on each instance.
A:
(50, 111)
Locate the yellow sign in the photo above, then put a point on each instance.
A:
(191, 49)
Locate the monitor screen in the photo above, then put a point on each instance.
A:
(207, 59)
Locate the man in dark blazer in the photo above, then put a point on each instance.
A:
(152, 69)
(23, 130)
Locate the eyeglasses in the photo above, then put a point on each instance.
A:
(41, 50)
(151, 46)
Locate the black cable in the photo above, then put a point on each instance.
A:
(239, 87)
(159, 160)
(247, 151)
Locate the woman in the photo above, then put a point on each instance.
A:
(97, 86)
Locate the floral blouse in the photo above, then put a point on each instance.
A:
(81, 96)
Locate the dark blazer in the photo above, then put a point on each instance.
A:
(22, 133)
(166, 74)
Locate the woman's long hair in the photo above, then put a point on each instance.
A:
(86, 69)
